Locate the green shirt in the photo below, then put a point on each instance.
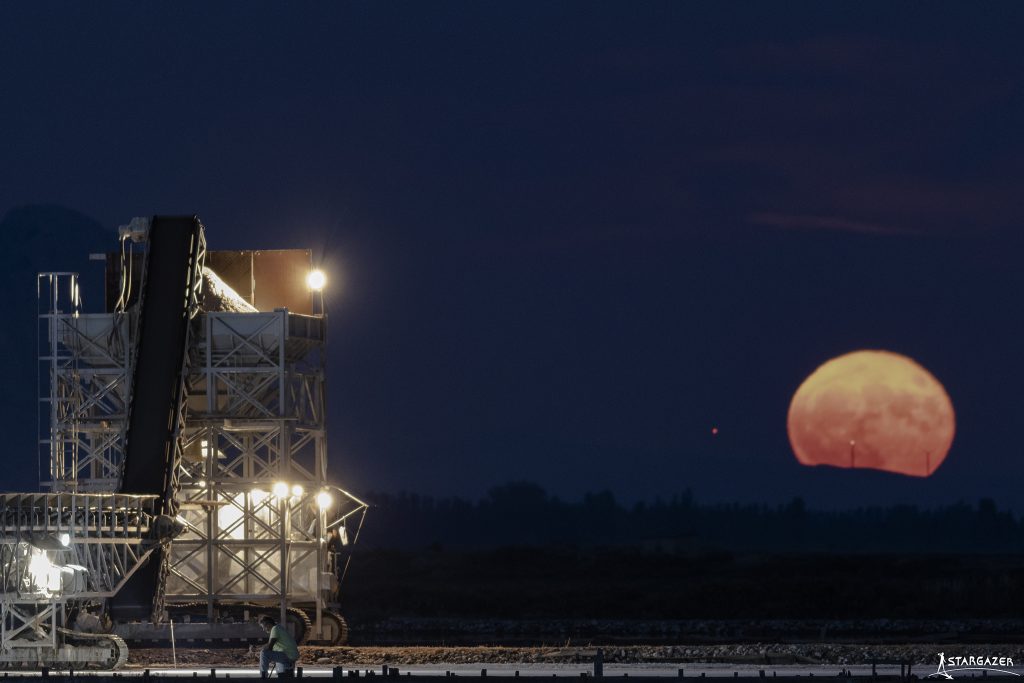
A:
(283, 642)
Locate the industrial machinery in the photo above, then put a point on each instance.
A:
(183, 432)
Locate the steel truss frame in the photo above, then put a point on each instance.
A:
(255, 419)
(254, 415)
(61, 551)
(83, 407)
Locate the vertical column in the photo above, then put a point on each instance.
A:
(285, 518)
(285, 455)
(210, 462)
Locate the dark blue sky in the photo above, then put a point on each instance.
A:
(565, 240)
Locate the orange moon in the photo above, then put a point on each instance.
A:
(872, 409)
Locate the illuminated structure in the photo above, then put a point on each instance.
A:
(60, 551)
(246, 461)
(254, 489)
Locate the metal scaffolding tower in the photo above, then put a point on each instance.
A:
(254, 489)
(85, 377)
(253, 493)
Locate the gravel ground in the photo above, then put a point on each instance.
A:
(824, 653)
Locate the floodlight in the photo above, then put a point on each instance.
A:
(42, 540)
(316, 280)
(39, 568)
(297, 491)
(324, 500)
(280, 489)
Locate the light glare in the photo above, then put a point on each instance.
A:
(316, 280)
(41, 569)
(324, 500)
(280, 489)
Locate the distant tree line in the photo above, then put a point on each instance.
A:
(523, 514)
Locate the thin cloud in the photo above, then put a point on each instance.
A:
(809, 222)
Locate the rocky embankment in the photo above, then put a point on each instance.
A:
(741, 653)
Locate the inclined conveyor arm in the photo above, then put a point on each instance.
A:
(168, 300)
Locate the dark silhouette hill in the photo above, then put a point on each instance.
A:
(519, 553)
(524, 514)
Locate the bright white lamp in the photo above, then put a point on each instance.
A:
(316, 280)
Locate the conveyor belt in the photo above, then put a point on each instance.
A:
(175, 246)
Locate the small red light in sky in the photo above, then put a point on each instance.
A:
(714, 431)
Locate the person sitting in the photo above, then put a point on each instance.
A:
(335, 545)
(280, 650)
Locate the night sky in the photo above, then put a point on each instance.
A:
(566, 240)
